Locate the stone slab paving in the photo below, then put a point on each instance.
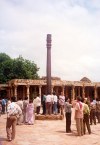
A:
(49, 133)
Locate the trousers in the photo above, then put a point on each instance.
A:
(79, 126)
(11, 127)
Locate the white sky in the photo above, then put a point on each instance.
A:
(75, 29)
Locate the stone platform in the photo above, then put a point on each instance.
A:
(49, 117)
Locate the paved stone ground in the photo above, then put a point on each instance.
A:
(49, 133)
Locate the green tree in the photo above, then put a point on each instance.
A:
(18, 68)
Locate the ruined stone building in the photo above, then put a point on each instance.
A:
(25, 87)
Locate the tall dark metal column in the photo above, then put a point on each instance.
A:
(48, 63)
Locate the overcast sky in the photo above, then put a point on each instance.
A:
(75, 29)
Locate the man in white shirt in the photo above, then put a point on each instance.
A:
(13, 112)
(55, 103)
(48, 104)
(37, 103)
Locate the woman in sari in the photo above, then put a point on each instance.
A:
(30, 113)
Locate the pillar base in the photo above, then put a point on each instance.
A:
(49, 117)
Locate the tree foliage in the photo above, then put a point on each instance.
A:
(18, 68)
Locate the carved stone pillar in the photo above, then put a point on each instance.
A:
(56, 90)
(28, 91)
(78, 91)
(66, 92)
(83, 91)
(8, 93)
(40, 90)
(73, 92)
(52, 87)
(63, 87)
(11, 91)
(15, 92)
(95, 92)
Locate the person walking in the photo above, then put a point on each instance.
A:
(68, 112)
(13, 112)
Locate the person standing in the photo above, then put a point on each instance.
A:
(93, 112)
(68, 112)
(98, 109)
(38, 104)
(25, 103)
(13, 112)
(79, 116)
(61, 103)
(48, 104)
(20, 119)
(86, 112)
(55, 103)
(44, 104)
(3, 102)
(30, 113)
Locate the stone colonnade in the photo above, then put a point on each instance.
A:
(75, 91)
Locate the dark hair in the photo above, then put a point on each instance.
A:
(66, 99)
(54, 93)
(13, 99)
(31, 101)
(19, 98)
(26, 98)
(79, 98)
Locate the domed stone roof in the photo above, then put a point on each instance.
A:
(85, 79)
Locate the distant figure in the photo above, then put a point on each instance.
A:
(86, 112)
(30, 113)
(68, 112)
(62, 103)
(38, 104)
(20, 119)
(3, 102)
(93, 112)
(25, 103)
(55, 99)
(44, 104)
(79, 116)
(48, 104)
(13, 112)
(98, 109)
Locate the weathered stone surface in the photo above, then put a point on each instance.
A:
(49, 117)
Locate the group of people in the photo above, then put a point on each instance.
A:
(86, 113)
(23, 112)
(52, 104)
(18, 112)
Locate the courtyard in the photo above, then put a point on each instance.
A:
(49, 132)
